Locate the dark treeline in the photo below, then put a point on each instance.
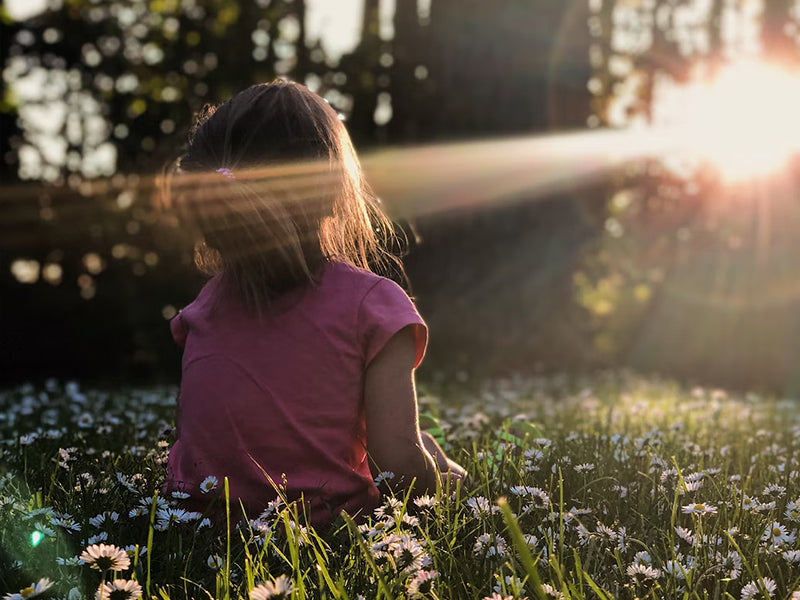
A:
(630, 271)
(493, 284)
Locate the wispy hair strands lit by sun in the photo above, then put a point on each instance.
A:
(272, 187)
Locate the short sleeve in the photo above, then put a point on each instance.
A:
(384, 311)
(178, 329)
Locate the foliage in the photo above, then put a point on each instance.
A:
(687, 265)
(636, 489)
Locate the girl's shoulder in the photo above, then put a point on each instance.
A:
(345, 272)
(357, 280)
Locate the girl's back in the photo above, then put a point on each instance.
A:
(280, 397)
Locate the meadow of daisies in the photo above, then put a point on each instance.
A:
(608, 487)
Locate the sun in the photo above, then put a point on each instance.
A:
(745, 121)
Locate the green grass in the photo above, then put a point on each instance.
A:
(578, 490)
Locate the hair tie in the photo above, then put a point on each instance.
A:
(226, 172)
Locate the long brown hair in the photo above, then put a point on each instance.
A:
(271, 183)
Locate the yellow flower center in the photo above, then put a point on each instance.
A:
(777, 532)
(699, 506)
(28, 591)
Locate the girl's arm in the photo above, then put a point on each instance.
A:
(394, 441)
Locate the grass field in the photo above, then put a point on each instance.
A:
(610, 487)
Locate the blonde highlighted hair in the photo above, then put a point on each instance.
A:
(290, 196)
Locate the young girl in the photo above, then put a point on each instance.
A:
(298, 361)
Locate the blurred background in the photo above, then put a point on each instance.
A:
(586, 183)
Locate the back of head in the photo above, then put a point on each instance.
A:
(271, 183)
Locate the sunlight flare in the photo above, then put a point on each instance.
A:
(744, 121)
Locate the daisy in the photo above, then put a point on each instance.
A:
(481, 506)
(214, 561)
(551, 591)
(675, 569)
(686, 535)
(384, 476)
(731, 564)
(421, 584)
(793, 510)
(605, 531)
(100, 537)
(408, 554)
(699, 509)
(410, 520)
(32, 591)
(425, 501)
(749, 503)
(106, 557)
(119, 589)
(751, 590)
(389, 508)
(279, 588)
(777, 535)
(792, 556)
(690, 486)
(773, 489)
(98, 520)
(209, 484)
(65, 522)
(641, 572)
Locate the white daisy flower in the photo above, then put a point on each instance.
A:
(642, 572)
(730, 564)
(751, 590)
(106, 558)
(279, 588)
(690, 486)
(32, 591)
(98, 520)
(384, 476)
(421, 584)
(686, 535)
(773, 489)
(749, 503)
(100, 537)
(777, 535)
(480, 506)
(675, 569)
(425, 501)
(214, 561)
(699, 509)
(792, 556)
(209, 484)
(792, 511)
(551, 591)
(604, 531)
(65, 522)
(119, 589)
(408, 554)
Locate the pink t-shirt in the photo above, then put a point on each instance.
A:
(283, 396)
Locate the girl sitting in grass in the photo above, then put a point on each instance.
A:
(298, 361)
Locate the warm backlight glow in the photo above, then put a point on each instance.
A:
(745, 122)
